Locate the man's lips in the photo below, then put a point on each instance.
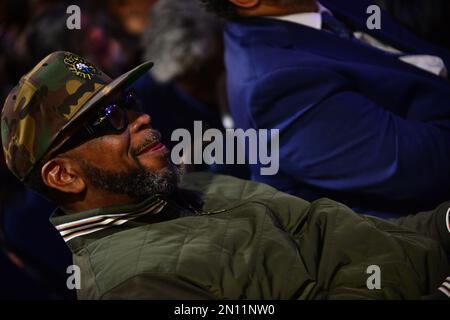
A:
(154, 147)
(151, 142)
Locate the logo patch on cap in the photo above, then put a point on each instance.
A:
(79, 66)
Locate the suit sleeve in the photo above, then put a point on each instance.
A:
(157, 286)
(334, 138)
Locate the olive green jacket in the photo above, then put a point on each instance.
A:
(246, 240)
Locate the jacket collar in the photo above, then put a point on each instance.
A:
(95, 222)
(79, 229)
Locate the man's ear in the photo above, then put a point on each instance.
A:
(245, 4)
(62, 175)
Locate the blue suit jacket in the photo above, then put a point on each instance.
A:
(357, 124)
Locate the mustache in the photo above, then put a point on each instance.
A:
(151, 138)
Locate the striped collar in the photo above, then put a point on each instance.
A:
(445, 288)
(72, 226)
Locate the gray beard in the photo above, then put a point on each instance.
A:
(138, 183)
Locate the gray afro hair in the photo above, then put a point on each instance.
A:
(181, 37)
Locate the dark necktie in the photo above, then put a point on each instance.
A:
(330, 23)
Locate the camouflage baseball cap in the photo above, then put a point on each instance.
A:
(52, 96)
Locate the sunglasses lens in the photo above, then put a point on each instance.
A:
(115, 116)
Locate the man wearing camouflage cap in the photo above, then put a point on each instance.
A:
(74, 135)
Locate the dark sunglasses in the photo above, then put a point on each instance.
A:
(109, 118)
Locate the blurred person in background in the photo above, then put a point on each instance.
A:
(187, 42)
(363, 114)
(187, 83)
(127, 20)
(14, 16)
(109, 33)
(429, 19)
(131, 16)
(47, 32)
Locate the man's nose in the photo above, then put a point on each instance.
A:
(138, 121)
